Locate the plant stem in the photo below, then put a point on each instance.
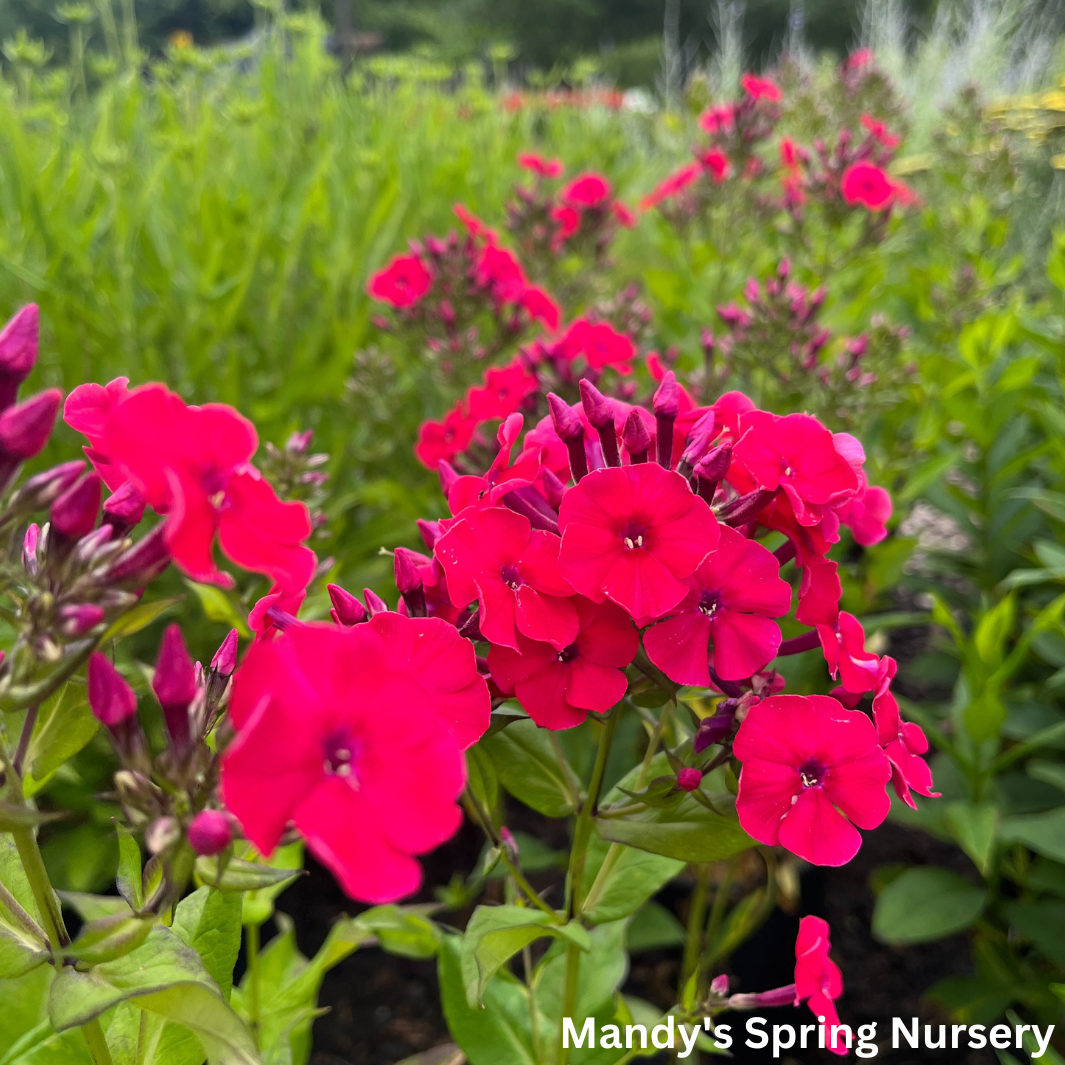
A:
(717, 914)
(575, 882)
(693, 944)
(534, 1020)
(254, 980)
(24, 739)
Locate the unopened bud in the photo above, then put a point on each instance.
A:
(570, 431)
(298, 443)
(715, 728)
(666, 402)
(144, 560)
(506, 838)
(111, 699)
(210, 833)
(347, 610)
(711, 469)
(554, 489)
(431, 531)
(374, 603)
(29, 549)
(24, 429)
(76, 619)
(73, 514)
(689, 779)
(409, 580)
(600, 412)
(174, 684)
(89, 545)
(124, 509)
(448, 476)
(225, 658)
(43, 488)
(161, 833)
(719, 985)
(18, 352)
(635, 437)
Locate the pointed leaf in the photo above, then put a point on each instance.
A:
(64, 726)
(239, 875)
(109, 938)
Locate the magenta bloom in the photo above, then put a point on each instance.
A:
(402, 283)
(558, 688)
(797, 454)
(600, 343)
(345, 733)
(817, 977)
(732, 597)
(761, 88)
(867, 184)
(843, 645)
(550, 168)
(540, 307)
(634, 534)
(671, 186)
(494, 556)
(500, 272)
(193, 463)
(810, 769)
(587, 191)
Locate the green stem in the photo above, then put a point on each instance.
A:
(717, 915)
(254, 980)
(575, 881)
(693, 944)
(534, 1020)
(28, 726)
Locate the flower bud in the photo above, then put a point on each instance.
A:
(29, 549)
(89, 545)
(719, 985)
(73, 514)
(124, 509)
(18, 352)
(144, 560)
(76, 619)
(600, 412)
(635, 437)
(25, 429)
(689, 779)
(711, 469)
(161, 833)
(715, 728)
(448, 476)
(174, 684)
(570, 430)
(298, 443)
(409, 580)
(431, 531)
(225, 658)
(111, 699)
(347, 610)
(210, 833)
(374, 603)
(666, 407)
(43, 488)
(554, 489)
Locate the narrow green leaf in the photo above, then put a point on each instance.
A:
(140, 617)
(109, 938)
(240, 875)
(220, 607)
(130, 885)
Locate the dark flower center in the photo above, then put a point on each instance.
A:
(813, 774)
(709, 602)
(511, 577)
(632, 536)
(341, 750)
(568, 654)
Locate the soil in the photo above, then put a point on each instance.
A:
(383, 1009)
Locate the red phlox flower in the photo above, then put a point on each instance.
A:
(820, 591)
(549, 168)
(879, 131)
(502, 392)
(716, 163)
(904, 742)
(729, 410)
(568, 220)
(796, 454)
(441, 441)
(193, 463)
(494, 556)
(869, 185)
(867, 514)
(861, 58)
(434, 586)
(473, 225)
(539, 306)
(792, 155)
(600, 343)
(587, 192)
(622, 215)
(761, 88)
(86, 411)
(718, 119)
(634, 534)
(810, 769)
(313, 746)
(817, 977)
(843, 645)
(733, 595)
(543, 444)
(402, 283)
(502, 476)
(498, 271)
(559, 687)
(265, 624)
(671, 186)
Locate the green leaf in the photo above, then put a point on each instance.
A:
(109, 938)
(974, 827)
(1031, 1044)
(1048, 772)
(495, 934)
(621, 879)
(529, 768)
(925, 904)
(26, 1036)
(497, 1034)
(689, 833)
(220, 607)
(129, 882)
(140, 617)
(259, 905)
(994, 629)
(22, 947)
(743, 920)
(400, 931)
(482, 777)
(240, 875)
(94, 907)
(64, 726)
(13, 817)
(1041, 923)
(13, 878)
(653, 927)
(209, 921)
(1043, 833)
(162, 976)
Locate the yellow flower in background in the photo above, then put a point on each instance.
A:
(181, 39)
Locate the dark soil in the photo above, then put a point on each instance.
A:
(383, 1008)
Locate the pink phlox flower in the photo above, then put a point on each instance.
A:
(600, 344)
(880, 133)
(843, 645)
(568, 221)
(868, 184)
(867, 512)
(86, 411)
(318, 745)
(720, 119)
(499, 272)
(549, 168)
(716, 163)
(502, 477)
(622, 215)
(442, 441)
(761, 88)
(818, 980)
(820, 591)
(495, 557)
(193, 463)
(671, 186)
(904, 742)
(634, 534)
(795, 453)
(859, 59)
(733, 596)
(402, 283)
(473, 225)
(812, 770)
(559, 687)
(269, 616)
(501, 394)
(540, 307)
(587, 192)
